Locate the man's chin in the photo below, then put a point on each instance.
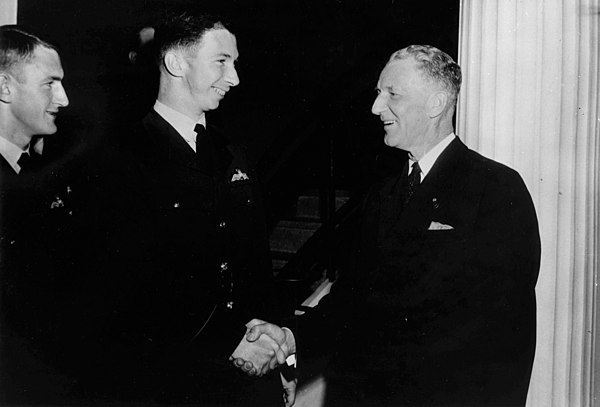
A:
(389, 140)
(212, 106)
(49, 130)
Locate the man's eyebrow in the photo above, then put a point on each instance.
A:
(227, 56)
(52, 78)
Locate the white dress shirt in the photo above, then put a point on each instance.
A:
(429, 159)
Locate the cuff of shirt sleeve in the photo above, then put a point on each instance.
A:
(291, 343)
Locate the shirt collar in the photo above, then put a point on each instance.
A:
(429, 159)
(38, 146)
(11, 152)
(180, 122)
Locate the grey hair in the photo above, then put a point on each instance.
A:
(436, 65)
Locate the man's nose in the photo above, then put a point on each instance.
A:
(232, 77)
(378, 105)
(60, 96)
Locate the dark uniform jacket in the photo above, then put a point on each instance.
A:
(40, 224)
(180, 267)
(440, 309)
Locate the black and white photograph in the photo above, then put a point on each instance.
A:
(309, 203)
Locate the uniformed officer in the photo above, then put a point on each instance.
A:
(183, 242)
(38, 223)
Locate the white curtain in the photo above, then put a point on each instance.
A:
(530, 100)
(8, 12)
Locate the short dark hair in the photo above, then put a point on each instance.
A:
(17, 46)
(183, 30)
(436, 65)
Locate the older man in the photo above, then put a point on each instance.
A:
(440, 308)
(182, 225)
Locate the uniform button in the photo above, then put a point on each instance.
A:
(224, 266)
(222, 224)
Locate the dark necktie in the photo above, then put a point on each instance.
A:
(204, 149)
(200, 136)
(25, 162)
(414, 180)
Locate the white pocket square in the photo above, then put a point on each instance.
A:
(239, 176)
(439, 226)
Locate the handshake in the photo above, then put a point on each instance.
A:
(263, 348)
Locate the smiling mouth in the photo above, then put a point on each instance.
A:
(388, 122)
(219, 92)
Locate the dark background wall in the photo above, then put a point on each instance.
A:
(308, 69)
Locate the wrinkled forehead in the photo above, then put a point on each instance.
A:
(396, 70)
(399, 71)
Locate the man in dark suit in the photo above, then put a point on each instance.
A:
(184, 249)
(37, 221)
(440, 308)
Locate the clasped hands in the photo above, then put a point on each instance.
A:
(264, 347)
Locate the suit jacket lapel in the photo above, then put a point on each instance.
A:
(177, 150)
(420, 210)
(222, 154)
(5, 168)
(390, 201)
(167, 142)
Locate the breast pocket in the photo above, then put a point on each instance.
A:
(241, 193)
(445, 248)
(441, 234)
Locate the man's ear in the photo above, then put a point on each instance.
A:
(437, 103)
(174, 63)
(5, 93)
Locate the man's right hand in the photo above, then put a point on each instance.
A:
(284, 339)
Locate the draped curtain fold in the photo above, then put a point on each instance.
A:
(530, 100)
